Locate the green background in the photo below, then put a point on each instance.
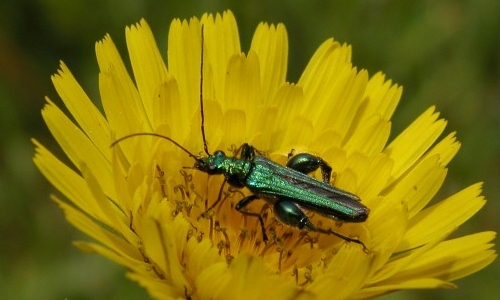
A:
(442, 52)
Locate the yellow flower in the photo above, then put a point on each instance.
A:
(145, 207)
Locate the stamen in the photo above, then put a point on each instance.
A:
(226, 241)
(242, 237)
(150, 264)
(182, 189)
(161, 179)
(188, 178)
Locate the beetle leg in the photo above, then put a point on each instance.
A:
(307, 163)
(291, 214)
(242, 204)
(219, 198)
(246, 151)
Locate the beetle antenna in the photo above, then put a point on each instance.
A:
(202, 112)
(157, 135)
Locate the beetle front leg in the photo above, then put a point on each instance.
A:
(307, 163)
(246, 151)
(242, 204)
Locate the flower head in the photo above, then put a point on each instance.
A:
(176, 229)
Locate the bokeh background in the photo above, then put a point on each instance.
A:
(444, 53)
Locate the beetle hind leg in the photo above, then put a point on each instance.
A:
(307, 163)
(291, 214)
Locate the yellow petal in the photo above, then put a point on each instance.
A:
(414, 141)
(443, 216)
(119, 96)
(165, 108)
(121, 258)
(452, 259)
(420, 184)
(81, 107)
(370, 137)
(270, 43)
(243, 89)
(381, 97)
(70, 184)
(341, 106)
(395, 264)
(78, 147)
(149, 70)
(445, 149)
(419, 283)
(123, 252)
(346, 273)
(221, 43)
(108, 212)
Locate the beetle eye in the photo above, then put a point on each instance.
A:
(211, 169)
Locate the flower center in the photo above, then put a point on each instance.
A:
(288, 251)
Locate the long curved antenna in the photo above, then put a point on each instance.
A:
(202, 112)
(157, 135)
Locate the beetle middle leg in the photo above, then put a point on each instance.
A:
(307, 163)
(242, 204)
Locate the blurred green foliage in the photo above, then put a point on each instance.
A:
(444, 53)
